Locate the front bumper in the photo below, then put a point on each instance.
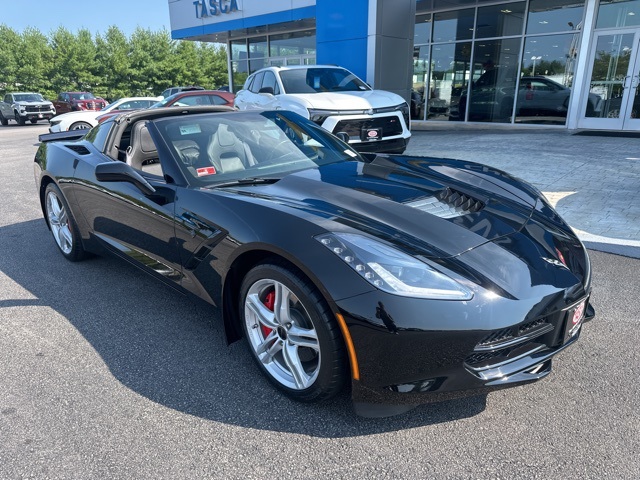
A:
(38, 115)
(391, 130)
(412, 352)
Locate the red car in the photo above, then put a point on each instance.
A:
(78, 101)
(191, 98)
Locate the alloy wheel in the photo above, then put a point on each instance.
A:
(59, 222)
(281, 334)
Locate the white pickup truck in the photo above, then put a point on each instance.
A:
(23, 106)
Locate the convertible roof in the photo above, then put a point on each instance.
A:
(151, 114)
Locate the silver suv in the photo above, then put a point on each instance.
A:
(334, 98)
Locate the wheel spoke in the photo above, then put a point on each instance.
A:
(281, 308)
(303, 337)
(291, 358)
(66, 237)
(263, 314)
(267, 349)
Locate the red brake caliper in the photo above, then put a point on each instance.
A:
(269, 302)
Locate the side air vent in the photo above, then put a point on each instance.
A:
(448, 203)
(79, 149)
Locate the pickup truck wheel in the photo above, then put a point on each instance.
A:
(3, 120)
(19, 119)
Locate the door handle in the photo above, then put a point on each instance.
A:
(624, 81)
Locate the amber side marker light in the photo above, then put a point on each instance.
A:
(353, 360)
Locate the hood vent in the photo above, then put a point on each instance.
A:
(448, 203)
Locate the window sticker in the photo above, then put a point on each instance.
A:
(203, 172)
(350, 153)
(190, 129)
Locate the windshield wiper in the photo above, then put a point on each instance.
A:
(247, 181)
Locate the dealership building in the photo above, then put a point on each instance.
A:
(569, 63)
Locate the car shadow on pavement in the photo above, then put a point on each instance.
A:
(171, 348)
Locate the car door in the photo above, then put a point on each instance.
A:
(268, 92)
(249, 98)
(135, 225)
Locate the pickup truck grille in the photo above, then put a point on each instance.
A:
(38, 108)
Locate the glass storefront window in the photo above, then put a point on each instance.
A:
(546, 16)
(452, 26)
(239, 73)
(546, 76)
(448, 82)
(422, 33)
(420, 72)
(296, 43)
(258, 47)
(238, 49)
(495, 72)
(614, 13)
(500, 20)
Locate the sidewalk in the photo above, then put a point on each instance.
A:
(592, 180)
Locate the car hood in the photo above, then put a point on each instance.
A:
(22, 102)
(364, 100)
(440, 207)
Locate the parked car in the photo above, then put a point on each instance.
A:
(336, 99)
(186, 98)
(492, 96)
(416, 279)
(173, 90)
(78, 101)
(87, 119)
(23, 106)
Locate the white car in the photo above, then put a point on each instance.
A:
(334, 98)
(87, 119)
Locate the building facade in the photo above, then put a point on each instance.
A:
(569, 63)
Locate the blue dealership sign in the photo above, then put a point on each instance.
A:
(208, 8)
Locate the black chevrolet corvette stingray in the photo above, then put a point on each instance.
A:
(415, 279)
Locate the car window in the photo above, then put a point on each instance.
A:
(226, 147)
(217, 100)
(247, 84)
(192, 100)
(269, 80)
(7, 99)
(320, 79)
(98, 135)
(257, 82)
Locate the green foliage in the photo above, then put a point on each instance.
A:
(109, 65)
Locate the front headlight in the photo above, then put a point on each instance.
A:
(391, 270)
(405, 110)
(319, 116)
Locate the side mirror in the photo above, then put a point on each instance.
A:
(121, 172)
(268, 90)
(344, 136)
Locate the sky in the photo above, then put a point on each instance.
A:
(97, 16)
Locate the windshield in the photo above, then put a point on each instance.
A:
(164, 102)
(220, 148)
(319, 79)
(82, 96)
(28, 97)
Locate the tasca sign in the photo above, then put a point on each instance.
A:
(209, 8)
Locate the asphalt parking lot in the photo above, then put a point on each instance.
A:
(106, 373)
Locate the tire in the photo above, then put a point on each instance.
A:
(80, 126)
(298, 348)
(19, 119)
(62, 224)
(3, 120)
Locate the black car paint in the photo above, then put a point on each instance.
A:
(409, 351)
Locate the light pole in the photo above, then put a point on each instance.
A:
(534, 58)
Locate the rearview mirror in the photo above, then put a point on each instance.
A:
(268, 90)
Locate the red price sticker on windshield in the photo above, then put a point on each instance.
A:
(202, 172)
